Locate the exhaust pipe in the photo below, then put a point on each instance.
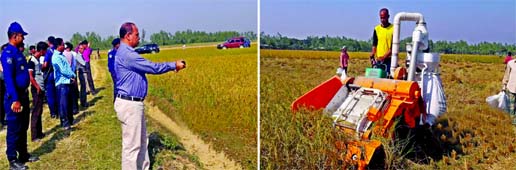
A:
(419, 35)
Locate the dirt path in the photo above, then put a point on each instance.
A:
(209, 158)
(95, 74)
(193, 144)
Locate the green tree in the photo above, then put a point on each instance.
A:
(161, 38)
(335, 43)
(77, 38)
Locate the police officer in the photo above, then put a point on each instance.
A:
(50, 84)
(111, 61)
(16, 101)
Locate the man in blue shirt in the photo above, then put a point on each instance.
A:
(64, 77)
(111, 61)
(131, 86)
(50, 86)
(16, 101)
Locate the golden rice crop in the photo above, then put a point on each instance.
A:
(474, 135)
(215, 96)
(365, 55)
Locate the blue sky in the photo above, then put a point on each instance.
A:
(470, 20)
(62, 18)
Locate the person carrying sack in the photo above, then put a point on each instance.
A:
(509, 86)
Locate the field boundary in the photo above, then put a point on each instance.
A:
(209, 158)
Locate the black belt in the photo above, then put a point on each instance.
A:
(130, 98)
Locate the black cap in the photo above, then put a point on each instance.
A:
(116, 41)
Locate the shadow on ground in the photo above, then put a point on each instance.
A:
(57, 133)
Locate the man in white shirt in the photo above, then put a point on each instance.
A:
(509, 86)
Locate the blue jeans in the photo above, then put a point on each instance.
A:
(65, 106)
(50, 89)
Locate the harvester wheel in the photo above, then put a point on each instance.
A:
(427, 144)
(423, 145)
(378, 159)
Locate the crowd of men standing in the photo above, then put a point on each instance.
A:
(51, 71)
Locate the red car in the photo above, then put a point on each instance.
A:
(236, 42)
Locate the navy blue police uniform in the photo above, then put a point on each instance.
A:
(17, 82)
(50, 86)
(111, 61)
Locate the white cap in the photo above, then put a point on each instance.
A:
(344, 47)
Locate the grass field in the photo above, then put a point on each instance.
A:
(95, 142)
(203, 97)
(215, 96)
(473, 135)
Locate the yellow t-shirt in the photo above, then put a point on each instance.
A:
(384, 36)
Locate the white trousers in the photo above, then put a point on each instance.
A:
(134, 134)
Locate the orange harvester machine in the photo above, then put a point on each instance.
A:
(364, 106)
(374, 100)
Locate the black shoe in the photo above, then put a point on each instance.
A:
(15, 165)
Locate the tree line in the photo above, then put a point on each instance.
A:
(328, 43)
(189, 36)
(163, 37)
